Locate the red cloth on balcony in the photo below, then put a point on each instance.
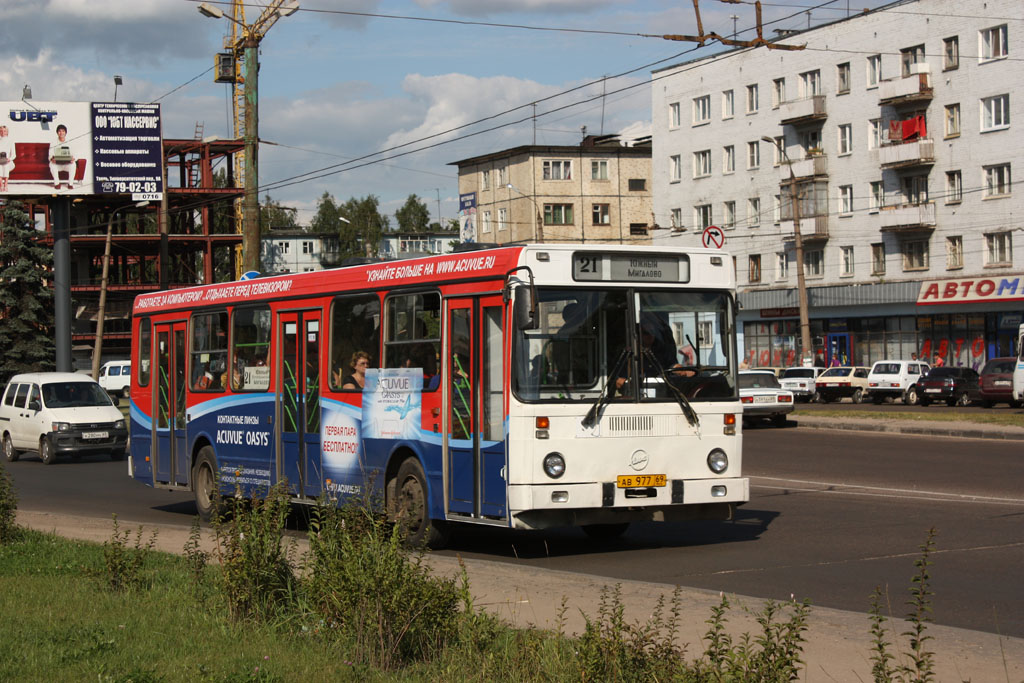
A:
(914, 129)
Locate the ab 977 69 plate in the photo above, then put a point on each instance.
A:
(629, 481)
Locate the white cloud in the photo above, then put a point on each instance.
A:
(483, 8)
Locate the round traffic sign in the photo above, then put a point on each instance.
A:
(713, 237)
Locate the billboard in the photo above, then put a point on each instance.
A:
(467, 217)
(81, 148)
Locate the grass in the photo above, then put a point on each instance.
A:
(1011, 418)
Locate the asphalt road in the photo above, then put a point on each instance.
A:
(831, 516)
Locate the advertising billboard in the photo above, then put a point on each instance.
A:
(81, 148)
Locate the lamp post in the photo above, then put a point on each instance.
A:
(801, 283)
(97, 348)
(117, 81)
(538, 234)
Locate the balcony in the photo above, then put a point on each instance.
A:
(803, 111)
(907, 154)
(907, 217)
(812, 229)
(816, 165)
(916, 87)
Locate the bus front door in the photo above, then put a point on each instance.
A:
(171, 451)
(475, 458)
(298, 403)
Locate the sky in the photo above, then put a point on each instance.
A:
(337, 88)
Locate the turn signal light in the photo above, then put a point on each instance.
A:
(543, 423)
(729, 420)
(783, 398)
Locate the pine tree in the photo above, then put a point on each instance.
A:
(26, 300)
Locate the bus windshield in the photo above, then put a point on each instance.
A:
(587, 344)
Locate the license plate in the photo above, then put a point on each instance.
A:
(932, 391)
(764, 399)
(95, 435)
(1002, 383)
(629, 481)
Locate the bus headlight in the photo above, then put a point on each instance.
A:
(718, 461)
(554, 465)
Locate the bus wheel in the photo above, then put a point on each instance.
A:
(411, 508)
(10, 453)
(204, 482)
(605, 532)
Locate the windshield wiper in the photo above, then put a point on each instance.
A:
(688, 411)
(590, 419)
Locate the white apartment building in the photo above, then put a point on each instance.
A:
(292, 251)
(900, 130)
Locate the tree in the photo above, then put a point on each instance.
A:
(26, 300)
(366, 221)
(413, 216)
(273, 215)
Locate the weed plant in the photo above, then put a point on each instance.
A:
(8, 508)
(124, 564)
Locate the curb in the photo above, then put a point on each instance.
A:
(904, 428)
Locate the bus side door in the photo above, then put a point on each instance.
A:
(298, 398)
(475, 456)
(171, 451)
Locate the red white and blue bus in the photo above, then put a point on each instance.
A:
(525, 386)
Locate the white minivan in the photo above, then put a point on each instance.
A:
(54, 413)
(896, 379)
(116, 377)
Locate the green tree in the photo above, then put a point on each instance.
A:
(366, 221)
(273, 215)
(26, 300)
(413, 216)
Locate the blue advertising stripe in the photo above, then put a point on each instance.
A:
(223, 403)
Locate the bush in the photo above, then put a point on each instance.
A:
(8, 508)
(124, 564)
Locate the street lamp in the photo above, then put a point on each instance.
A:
(117, 81)
(97, 349)
(538, 234)
(801, 284)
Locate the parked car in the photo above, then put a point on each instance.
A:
(996, 382)
(895, 379)
(845, 381)
(801, 382)
(54, 413)
(955, 386)
(774, 370)
(116, 377)
(763, 397)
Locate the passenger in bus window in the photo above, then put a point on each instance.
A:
(356, 381)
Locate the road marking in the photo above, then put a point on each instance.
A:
(879, 491)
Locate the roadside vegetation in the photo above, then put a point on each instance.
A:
(1005, 417)
(357, 605)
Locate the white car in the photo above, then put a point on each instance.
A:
(55, 413)
(801, 382)
(763, 397)
(116, 377)
(896, 379)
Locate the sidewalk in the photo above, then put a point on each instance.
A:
(838, 647)
(958, 429)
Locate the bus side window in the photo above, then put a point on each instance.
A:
(209, 351)
(355, 326)
(251, 332)
(145, 350)
(413, 334)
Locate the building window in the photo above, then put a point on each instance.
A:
(675, 168)
(558, 214)
(728, 159)
(878, 258)
(846, 254)
(284, 247)
(778, 150)
(845, 138)
(954, 252)
(915, 189)
(600, 214)
(486, 223)
(677, 218)
(951, 53)
(910, 56)
(674, 115)
(729, 214)
(485, 180)
(997, 180)
(846, 199)
(874, 70)
(503, 176)
(814, 263)
(702, 216)
(701, 163)
(637, 184)
(754, 211)
(810, 83)
(753, 154)
(811, 141)
(728, 104)
(777, 209)
(754, 268)
(558, 170)
(502, 219)
(874, 133)
(915, 255)
(307, 247)
(995, 112)
(781, 265)
(843, 78)
(778, 92)
(599, 169)
(993, 43)
(876, 198)
(952, 120)
(999, 249)
(954, 187)
(752, 98)
(701, 109)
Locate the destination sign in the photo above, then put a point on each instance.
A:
(593, 266)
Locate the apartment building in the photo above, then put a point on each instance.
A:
(892, 128)
(598, 191)
(294, 251)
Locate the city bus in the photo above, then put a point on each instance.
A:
(527, 386)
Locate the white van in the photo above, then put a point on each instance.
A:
(896, 379)
(116, 377)
(1018, 370)
(54, 413)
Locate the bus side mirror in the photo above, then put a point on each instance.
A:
(523, 310)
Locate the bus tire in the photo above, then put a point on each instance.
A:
(11, 454)
(605, 532)
(411, 509)
(204, 483)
